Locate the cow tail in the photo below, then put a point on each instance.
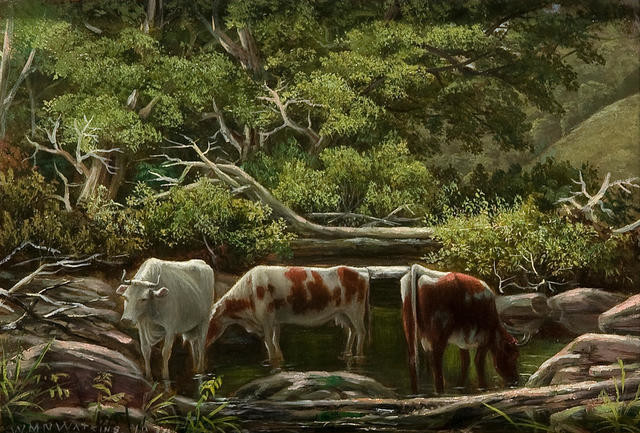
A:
(414, 313)
(367, 311)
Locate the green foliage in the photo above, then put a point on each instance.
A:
(375, 182)
(106, 400)
(306, 190)
(210, 211)
(608, 415)
(22, 392)
(547, 246)
(618, 415)
(29, 212)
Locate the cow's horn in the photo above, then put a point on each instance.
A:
(525, 340)
(122, 280)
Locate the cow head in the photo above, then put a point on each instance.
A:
(138, 297)
(506, 357)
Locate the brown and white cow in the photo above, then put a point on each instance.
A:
(269, 296)
(450, 307)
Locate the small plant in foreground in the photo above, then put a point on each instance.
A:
(619, 415)
(22, 392)
(198, 421)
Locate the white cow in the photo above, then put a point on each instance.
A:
(268, 296)
(165, 299)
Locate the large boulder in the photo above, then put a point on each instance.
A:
(524, 313)
(577, 310)
(82, 363)
(623, 318)
(589, 357)
(313, 385)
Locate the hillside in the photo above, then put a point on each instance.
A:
(609, 139)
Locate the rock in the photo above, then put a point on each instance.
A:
(82, 362)
(313, 385)
(566, 420)
(584, 352)
(577, 310)
(623, 318)
(524, 313)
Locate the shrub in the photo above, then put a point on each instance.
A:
(29, 212)
(211, 211)
(306, 190)
(523, 241)
(374, 183)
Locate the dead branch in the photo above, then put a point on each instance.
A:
(63, 198)
(335, 216)
(86, 138)
(281, 107)
(628, 227)
(52, 268)
(234, 177)
(530, 276)
(25, 244)
(587, 208)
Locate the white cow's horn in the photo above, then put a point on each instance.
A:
(122, 280)
(143, 283)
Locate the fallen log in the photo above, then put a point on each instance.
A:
(366, 414)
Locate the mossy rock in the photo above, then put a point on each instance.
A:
(313, 385)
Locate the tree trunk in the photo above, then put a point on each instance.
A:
(118, 178)
(97, 176)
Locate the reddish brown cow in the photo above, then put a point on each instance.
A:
(268, 296)
(449, 307)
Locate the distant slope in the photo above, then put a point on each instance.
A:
(609, 139)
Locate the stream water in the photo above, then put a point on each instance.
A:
(240, 358)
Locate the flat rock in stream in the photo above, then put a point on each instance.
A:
(588, 357)
(577, 310)
(83, 362)
(313, 385)
(623, 318)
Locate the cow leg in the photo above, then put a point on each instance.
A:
(166, 354)
(145, 348)
(275, 340)
(464, 366)
(361, 333)
(437, 353)
(268, 342)
(202, 338)
(481, 355)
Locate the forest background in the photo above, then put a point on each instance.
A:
(234, 130)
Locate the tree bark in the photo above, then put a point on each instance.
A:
(96, 177)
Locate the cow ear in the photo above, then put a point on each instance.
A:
(121, 289)
(163, 291)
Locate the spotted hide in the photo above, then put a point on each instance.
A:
(448, 307)
(269, 296)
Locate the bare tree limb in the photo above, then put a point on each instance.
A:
(281, 107)
(64, 198)
(235, 177)
(587, 208)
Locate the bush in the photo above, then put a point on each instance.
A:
(523, 241)
(209, 211)
(374, 183)
(306, 190)
(29, 212)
